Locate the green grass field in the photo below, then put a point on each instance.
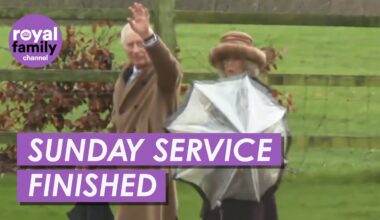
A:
(323, 50)
(336, 184)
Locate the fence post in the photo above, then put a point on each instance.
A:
(164, 13)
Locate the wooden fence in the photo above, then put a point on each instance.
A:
(163, 17)
(279, 79)
(86, 16)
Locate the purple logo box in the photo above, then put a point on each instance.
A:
(68, 186)
(159, 149)
(35, 40)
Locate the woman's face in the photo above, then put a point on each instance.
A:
(233, 65)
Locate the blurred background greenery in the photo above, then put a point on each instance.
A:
(320, 183)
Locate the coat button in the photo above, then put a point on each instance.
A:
(136, 106)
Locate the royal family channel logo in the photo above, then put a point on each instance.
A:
(35, 40)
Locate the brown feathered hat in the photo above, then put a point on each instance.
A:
(235, 43)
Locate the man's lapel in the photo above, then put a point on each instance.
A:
(143, 76)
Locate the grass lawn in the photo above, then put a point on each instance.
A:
(338, 184)
(324, 50)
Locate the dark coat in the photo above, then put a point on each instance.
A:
(232, 209)
(142, 106)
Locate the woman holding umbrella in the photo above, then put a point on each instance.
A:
(235, 54)
(236, 103)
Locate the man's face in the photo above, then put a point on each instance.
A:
(233, 65)
(136, 52)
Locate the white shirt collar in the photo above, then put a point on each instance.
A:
(136, 70)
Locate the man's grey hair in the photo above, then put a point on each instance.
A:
(124, 33)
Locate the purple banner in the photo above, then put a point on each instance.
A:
(61, 186)
(104, 149)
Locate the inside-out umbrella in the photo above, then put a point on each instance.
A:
(238, 104)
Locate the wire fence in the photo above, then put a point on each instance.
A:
(335, 111)
(349, 111)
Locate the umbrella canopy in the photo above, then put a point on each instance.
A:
(237, 104)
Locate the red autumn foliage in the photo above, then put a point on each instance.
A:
(32, 106)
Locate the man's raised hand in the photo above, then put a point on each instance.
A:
(139, 20)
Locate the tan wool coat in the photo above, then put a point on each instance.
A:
(141, 106)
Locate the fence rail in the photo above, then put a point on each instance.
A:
(88, 15)
(111, 76)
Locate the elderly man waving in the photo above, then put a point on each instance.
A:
(145, 94)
